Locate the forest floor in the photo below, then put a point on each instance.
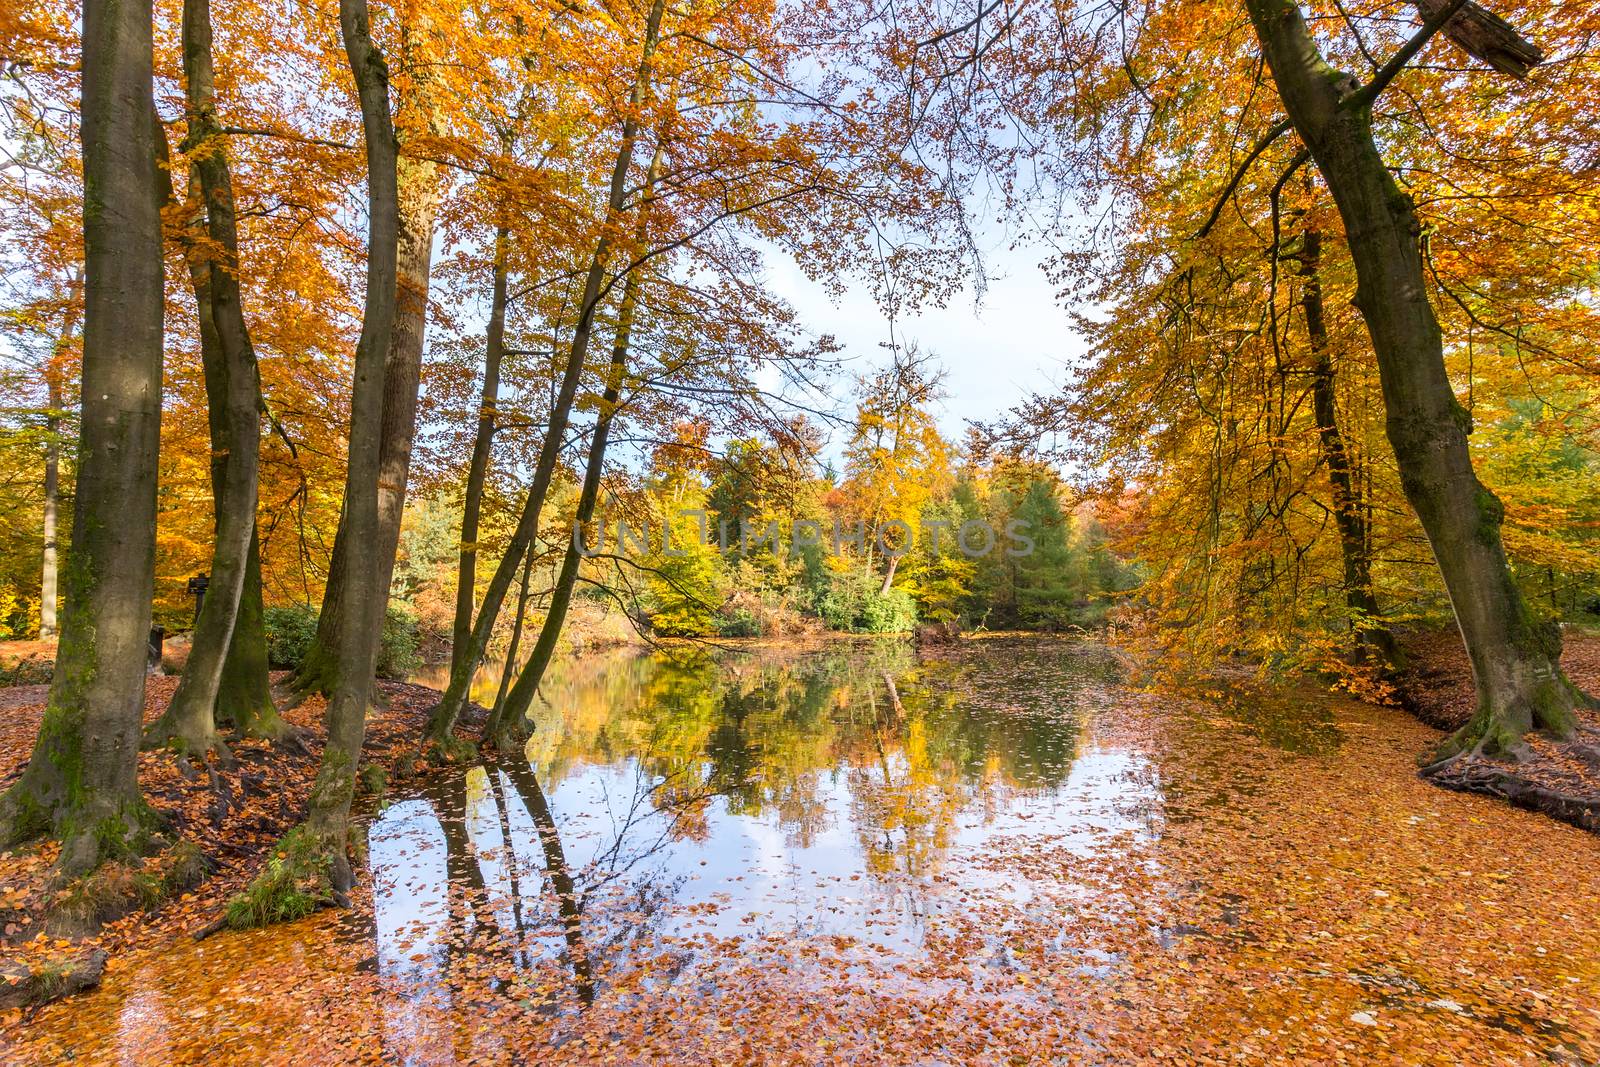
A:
(52, 936)
(1559, 778)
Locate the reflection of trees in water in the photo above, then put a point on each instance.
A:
(558, 873)
(895, 749)
(768, 733)
(495, 924)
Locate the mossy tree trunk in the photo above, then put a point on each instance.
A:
(1515, 657)
(312, 863)
(81, 782)
(442, 723)
(233, 392)
(418, 193)
(244, 695)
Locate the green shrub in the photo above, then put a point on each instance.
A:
(851, 602)
(399, 649)
(891, 613)
(291, 629)
(740, 622)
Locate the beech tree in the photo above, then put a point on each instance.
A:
(316, 852)
(233, 390)
(81, 782)
(1515, 656)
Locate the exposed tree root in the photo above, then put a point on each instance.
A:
(1467, 775)
(187, 745)
(448, 749)
(509, 736)
(1499, 727)
(265, 724)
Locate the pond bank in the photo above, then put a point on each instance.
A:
(1560, 779)
(231, 816)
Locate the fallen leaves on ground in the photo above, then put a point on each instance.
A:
(1296, 894)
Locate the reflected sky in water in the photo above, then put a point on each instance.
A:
(842, 801)
(993, 852)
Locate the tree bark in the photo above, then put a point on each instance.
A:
(1349, 512)
(519, 617)
(244, 695)
(233, 390)
(888, 575)
(1515, 657)
(444, 717)
(318, 848)
(418, 199)
(81, 782)
(477, 470)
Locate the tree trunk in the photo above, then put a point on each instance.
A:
(244, 695)
(888, 575)
(477, 470)
(1515, 657)
(444, 717)
(49, 572)
(315, 853)
(233, 390)
(418, 199)
(520, 615)
(1349, 512)
(81, 782)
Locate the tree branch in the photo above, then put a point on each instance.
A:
(1265, 142)
(1364, 96)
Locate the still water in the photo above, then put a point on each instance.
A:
(844, 799)
(998, 852)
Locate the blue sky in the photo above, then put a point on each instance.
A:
(1018, 340)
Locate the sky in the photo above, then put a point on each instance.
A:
(1018, 340)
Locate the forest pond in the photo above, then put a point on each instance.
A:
(998, 850)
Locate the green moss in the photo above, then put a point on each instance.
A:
(336, 781)
(374, 780)
(27, 817)
(61, 741)
(447, 748)
(1491, 513)
(294, 883)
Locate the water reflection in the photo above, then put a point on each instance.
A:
(669, 809)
